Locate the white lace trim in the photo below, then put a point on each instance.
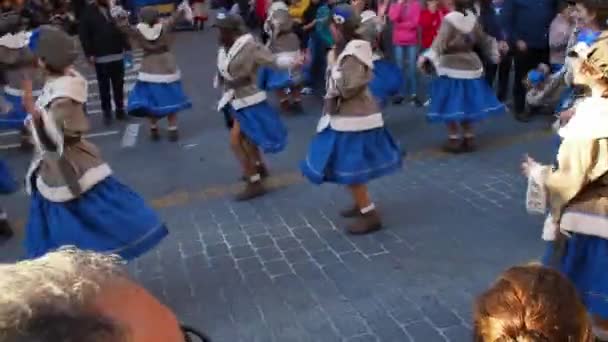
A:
(159, 78)
(350, 123)
(63, 193)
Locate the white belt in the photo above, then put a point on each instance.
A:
(228, 97)
(350, 123)
(18, 92)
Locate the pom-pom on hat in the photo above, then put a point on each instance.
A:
(55, 48)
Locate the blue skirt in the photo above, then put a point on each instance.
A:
(7, 181)
(272, 79)
(585, 262)
(15, 117)
(109, 218)
(387, 81)
(158, 100)
(351, 157)
(261, 124)
(462, 100)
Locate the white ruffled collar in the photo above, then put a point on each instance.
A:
(590, 120)
(15, 41)
(360, 49)
(224, 57)
(150, 32)
(72, 86)
(463, 23)
(367, 16)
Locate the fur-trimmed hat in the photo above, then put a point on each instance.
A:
(149, 15)
(55, 48)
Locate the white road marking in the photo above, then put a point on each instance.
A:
(129, 138)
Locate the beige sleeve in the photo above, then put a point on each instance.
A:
(581, 162)
(353, 77)
(262, 55)
(69, 115)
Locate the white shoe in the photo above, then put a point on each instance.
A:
(427, 103)
(306, 91)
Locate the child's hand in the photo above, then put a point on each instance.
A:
(527, 164)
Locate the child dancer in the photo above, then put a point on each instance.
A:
(158, 92)
(578, 211)
(460, 94)
(75, 198)
(284, 43)
(387, 79)
(20, 71)
(352, 146)
(256, 126)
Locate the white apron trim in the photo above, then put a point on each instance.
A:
(150, 32)
(87, 181)
(459, 73)
(577, 222)
(350, 123)
(18, 92)
(15, 41)
(159, 78)
(248, 100)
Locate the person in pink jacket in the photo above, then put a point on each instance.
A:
(405, 15)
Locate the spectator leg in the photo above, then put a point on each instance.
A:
(398, 52)
(103, 82)
(412, 72)
(117, 74)
(504, 73)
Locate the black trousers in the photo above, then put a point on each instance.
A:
(111, 80)
(524, 62)
(500, 72)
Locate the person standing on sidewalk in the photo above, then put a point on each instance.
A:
(527, 27)
(104, 45)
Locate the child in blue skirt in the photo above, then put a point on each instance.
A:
(75, 199)
(577, 224)
(20, 72)
(388, 79)
(285, 44)
(256, 126)
(158, 92)
(352, 146)
(460, 94)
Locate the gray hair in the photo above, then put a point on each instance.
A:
(47, 299)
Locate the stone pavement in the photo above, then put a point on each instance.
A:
(281, 268)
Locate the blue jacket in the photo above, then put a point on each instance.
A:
(529, 20)
(492, 22)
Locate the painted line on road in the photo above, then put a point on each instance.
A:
(183, 197)
(88, 136)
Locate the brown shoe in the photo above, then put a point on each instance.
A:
(154, 134)
(173, 135)
(468, 144)
(5, 229)
(350, 212)
(365, 223)
(251, 191)
(453, 145)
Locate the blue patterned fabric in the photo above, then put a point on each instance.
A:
(585, 262)
(462, 100)
(387, 81)
(351, 157)
(148, 99)
(272, 79)
(261, 124)
(15, 117)
(7, 181)
(108, 218)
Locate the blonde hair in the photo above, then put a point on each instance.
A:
(531, 304)
(46, 299)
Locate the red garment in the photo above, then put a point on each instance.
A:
(261, 7)
(429, 25)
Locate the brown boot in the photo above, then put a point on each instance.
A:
(350, 212)
(468, 144)
(251, 191)
(5, 229)
(365, 223)
(453, 145)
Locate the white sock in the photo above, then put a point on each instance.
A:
(172, 128)
(368, 209)
(255, 178)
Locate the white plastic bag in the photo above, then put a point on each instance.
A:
(536, 195)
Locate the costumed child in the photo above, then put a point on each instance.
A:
(256, 126)
(20, 71)
(158, 91)
(460, 95)
(352, 146)
(544, 88)
(75, 199)
(388, 79)
(577, 190)
(284, 44)
(200, 9)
